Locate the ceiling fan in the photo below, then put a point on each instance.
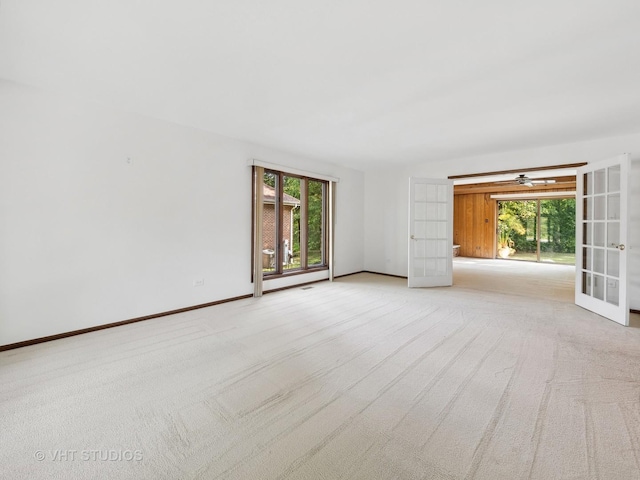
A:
(522, 179)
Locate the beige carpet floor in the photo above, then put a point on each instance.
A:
(497, 377)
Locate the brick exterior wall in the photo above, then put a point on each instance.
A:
(269, 225)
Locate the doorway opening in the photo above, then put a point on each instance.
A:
(537, 230)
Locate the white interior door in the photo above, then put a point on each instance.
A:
(601, 238)
(430, 232)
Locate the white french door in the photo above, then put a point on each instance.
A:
(601, 238)
(430, 232)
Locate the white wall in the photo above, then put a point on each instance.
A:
(386, 197)
(88, 237)
(634, 232)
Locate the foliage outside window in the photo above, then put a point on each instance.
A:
(538, 230)
(294, 223)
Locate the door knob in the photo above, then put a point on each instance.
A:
(413, 237)
(620, 247)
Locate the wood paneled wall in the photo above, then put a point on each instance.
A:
(474, 224)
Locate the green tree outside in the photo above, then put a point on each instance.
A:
(518, 219)
(315, 202)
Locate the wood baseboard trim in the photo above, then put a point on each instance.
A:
(385, 274)
(72, 333)
(633, 310)
(347, 274)
(58, 336)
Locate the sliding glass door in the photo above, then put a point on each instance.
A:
(541, 230)
(558, 230)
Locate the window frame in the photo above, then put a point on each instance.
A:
(304, 267)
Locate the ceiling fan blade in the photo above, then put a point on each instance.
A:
(543, 182)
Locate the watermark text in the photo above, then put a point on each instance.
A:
(104, 455)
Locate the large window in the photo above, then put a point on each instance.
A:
(294, 223)
(537, 230)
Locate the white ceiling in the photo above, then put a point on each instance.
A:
(363, 83)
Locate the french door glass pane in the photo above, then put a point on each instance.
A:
(613, 263)
(586, 258)
(613, 291)
(598, 287)
(613, 206)
(599, 205)
(614, 178)
(587, 184)
(587, 237)
(431, 247)
(599, 181)
(443, 194)
(598, 234)
(586, 283)
(613, 234)
(598, 260)
(587, 208)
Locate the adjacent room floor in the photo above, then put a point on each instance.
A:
(499, 377)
